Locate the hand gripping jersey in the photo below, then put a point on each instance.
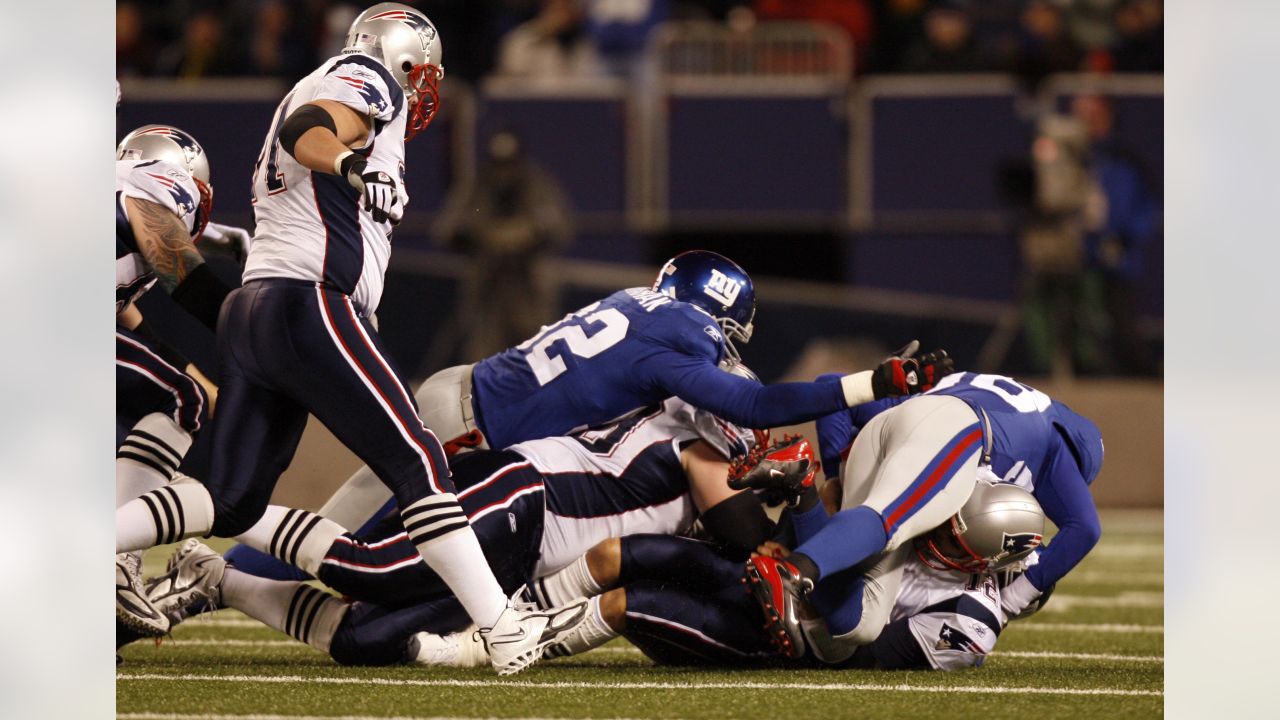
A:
(592, 367)
(154, 181)
(623, 479)
(311, 225)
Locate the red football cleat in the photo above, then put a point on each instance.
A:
(779, 588)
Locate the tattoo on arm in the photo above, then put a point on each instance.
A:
(164, 242)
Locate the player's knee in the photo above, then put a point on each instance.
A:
(229, 521)
(613, 609)
(604, 562)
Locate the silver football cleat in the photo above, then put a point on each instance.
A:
(133, 608)
(191, 584)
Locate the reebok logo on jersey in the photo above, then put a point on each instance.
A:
(722, 288)
(713, 332)
(952, 639)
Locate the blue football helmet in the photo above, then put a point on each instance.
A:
(717, 285)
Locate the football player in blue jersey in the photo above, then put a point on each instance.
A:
(630, 350)
(909, 465)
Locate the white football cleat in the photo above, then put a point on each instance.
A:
(522, 632)
(132, 606)
(461, 649)
(192, 583)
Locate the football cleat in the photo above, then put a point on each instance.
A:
(779, 588)
(191, 584)
(522, 632)
(132, 606)
(461, 649)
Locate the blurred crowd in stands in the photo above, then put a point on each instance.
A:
(287, 38)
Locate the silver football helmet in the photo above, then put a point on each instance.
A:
(999, 524)
(408, 45)
(168, 143)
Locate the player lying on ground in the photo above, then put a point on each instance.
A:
(297, 337)
(163, 200)
(630, 350)
(681, 600)
(536, 508)
(912, 464)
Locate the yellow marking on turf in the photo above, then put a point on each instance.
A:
(187, 716)
(531, 685)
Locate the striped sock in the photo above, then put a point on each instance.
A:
(297, 537)
(439, 529)
(565, 585)
(305, 613)
(181, 509)
(149, 456)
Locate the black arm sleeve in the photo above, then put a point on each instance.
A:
(300, 121)
(738, 522)
(741, 401)
(201, 293)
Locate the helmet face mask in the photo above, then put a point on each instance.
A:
(998, 525)
(406, 42)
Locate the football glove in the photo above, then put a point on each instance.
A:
(903, 374)
(1018, 597)
(227, 239)
(380, 191)
(783, 472)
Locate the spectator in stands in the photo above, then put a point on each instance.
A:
(897, 25)
(853, 16)
(1140, 27)
(949, 44)
(201, 51)
(282, 39)
(553, 44)
(134, 52)
(1119, 235)
(1045, 45)
(509, 221)
(619, 31)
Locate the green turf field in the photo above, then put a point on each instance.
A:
(1096, 651)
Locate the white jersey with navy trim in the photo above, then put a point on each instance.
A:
(154, 181)
(955, 617)
(312, 225)
(623, 479)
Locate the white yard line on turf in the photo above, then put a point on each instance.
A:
(186, 716)
(531, 685)
(1089, 627)
(1100, 577)
(1075, 656)
(1065, 603)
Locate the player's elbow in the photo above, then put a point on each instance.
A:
(1090, 532)
(300, 122)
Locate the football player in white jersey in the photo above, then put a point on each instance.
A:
(537, 507)
(297, 338)
(163, 199)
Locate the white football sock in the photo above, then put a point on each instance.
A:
(591, 633)
(444, 538)
(565, 585)
(297, 609)
(297, 537)
(149, 456)
(181, 509)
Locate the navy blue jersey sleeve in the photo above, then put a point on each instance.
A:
(1066, 500)
(738, 400)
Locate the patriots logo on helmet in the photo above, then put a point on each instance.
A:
(950, 638)
(1015, 543)
(184, 140)
(181, 197)
(369, 93)
(417, 22)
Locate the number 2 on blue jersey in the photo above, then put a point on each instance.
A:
(546, 351)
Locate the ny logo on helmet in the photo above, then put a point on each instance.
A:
(722, 288)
